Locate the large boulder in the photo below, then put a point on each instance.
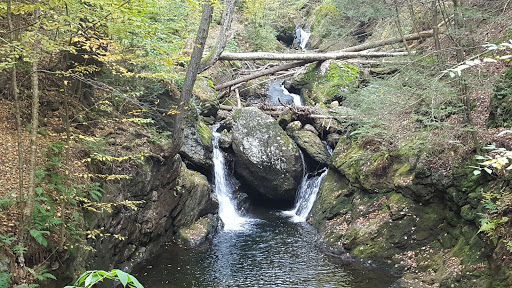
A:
(197, 147)
(206, 99)
(267, 158)
(312, 145)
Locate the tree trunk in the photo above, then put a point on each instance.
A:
(435, 28)
(64, 201)
(306, 57)
(388, 41)
(399, 28)
(15, 93)
(227, 19)
(20, 270)
(191, 75)
(29, 206)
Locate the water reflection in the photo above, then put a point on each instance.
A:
(273, 252)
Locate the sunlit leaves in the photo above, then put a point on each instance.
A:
(504, 54)
(90, 278)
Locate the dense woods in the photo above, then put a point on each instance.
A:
(93, 91)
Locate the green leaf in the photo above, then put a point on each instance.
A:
(135, 282)
(39, 236)
(88, 280)
(123, 277)
(488, 170)
(477, 172)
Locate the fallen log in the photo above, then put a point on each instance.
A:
(388, 41)
(362, 47)
(307, 56)
(262, 73)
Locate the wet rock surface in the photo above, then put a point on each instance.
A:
(266, 157)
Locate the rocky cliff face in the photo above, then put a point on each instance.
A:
(390, 208)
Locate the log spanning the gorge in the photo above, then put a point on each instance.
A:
(308, 56)
(347, 53)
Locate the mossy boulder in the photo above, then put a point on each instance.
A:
(500, 107)
(266, 157)
(379, 170)
(312, 146)
(197, 147)
(198, 200)
(333, 198)
(225, 139)
(206, 98)
(329, 81)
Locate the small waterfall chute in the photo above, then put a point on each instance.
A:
(306, 196)
(224, 189)
(296, 98)
(278, 95)
(301, 37)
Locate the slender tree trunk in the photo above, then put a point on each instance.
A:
(63, 204)
(435, 28)
(457, 26)
(191, 75)
(399, 27)
(20, 273)
(227, 19)
(15, 93)
(29, 207)
(413, 17)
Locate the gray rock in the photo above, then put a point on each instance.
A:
(309, 127)
(197, 147)
(267, 158)
(332, 139)
(194, 190)
(312, 145)
(225, 139)
(206, 99)
(198, 232)
(294, 126)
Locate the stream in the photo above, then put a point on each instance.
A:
(264, 249)
(270, 252)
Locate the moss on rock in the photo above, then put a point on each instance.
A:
(500, 114)
(327, 82)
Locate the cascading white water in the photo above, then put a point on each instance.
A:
(296, 98)
(301, 37)
(224, 189)
(306, 196)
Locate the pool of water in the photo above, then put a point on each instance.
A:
(270, 252)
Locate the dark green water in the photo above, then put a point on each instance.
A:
(270, 252)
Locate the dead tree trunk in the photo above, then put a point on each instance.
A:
(262, 73)
(227, 19)
(306, 57)
(388, 41)
(370, 45)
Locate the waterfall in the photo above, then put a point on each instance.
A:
(296, 98)
(329, 149)
(306, 196)
(223, 188)
(301, 37)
